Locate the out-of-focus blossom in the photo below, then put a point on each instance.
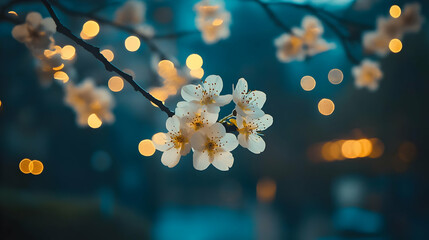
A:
(368, 75)
(212, 20)
(51, 62)
(302, 42)
(145, 30)
(249, 129)
(87, 99)
(130, 13)
(375, 42)
(248, 103)
(36, 32)
(363, 5)
(212, 145)
(411, 18)
(175, 143)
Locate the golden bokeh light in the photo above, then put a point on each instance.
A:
(24, 165)
(59, 67)
(395, 45)
(194, 61)
(308, 83)
(62, 76)
(159, 138)
(166, 64)
(132, 43)
(366, 147)
(146, 148)
(94, 121)
(0, 103)
(68, 52)
(36, 167)
(108, 54)
(217, 22)
(351, 149)
(326, 106)
(13, 13)
(395, 11)
(266, 190)
(90, 29)
(335, 76)
(197, 73)
(116, 84)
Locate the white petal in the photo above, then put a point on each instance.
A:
(209, 118)
(192, 92)
(253, 111)
(212, 108)
(240, 121)
(198, 141)
(263, 122)
(213, 85)
(257, 98)
(223, 100)
(171, 157)
(240, 90)
(216, 130)
(223, 161)
(185, 149)
(48, 25)
(229, 142)
(256, 144)
(201, 160)
(33, 19)
(243, 140)
(173, 124)
(20, 32)
(162, 142)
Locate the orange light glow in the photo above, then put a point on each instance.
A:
(59, 67)
(326, 107)
(395, 11)
(89, 30)
(266, 190)
(194, 61)
(335, 76)
(62, 76)
(68, 52)
(132, 43)
(108, 54)
(197, 73)
(36, 167)
(116, 84)
(24, 165)
(146, 148)
(308, 83)
(13, 13)
(94, 121)
(395, 45)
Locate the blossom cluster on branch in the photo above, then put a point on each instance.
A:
(212, 20)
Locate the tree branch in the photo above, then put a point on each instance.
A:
(95, 51)
(273, 17)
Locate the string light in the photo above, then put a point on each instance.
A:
(194, 61)
(395, 11)
(68, 52)
(395, 45)
(308, 83)
(13, 13)
(146, 148)
(326, 107)
(94, 121)
(335, 76)
(108, 54)
(62, 76)
(132, 43)
(24, 165)
(116, 84)
(36, 167)
(89, 30)
(197, 73)
(266, 190)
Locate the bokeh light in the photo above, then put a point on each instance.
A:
(395, 45)
(132, 43)
(36, 167)
(308, 83)
(351, 149)
(335, 76)
(395, 11)
(59, 67)
(13, 13)
(62, 76)
(146, 148)
(194, 61)
(266, 190)
(116, 84)
(90, 29)
(68, 52)
(108, 54)
(197, 73)
(0, 103)
(326, 106)
(24, 165)
(94, 121)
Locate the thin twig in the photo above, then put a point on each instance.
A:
(273, 17)
(175, 35)
(95, 51)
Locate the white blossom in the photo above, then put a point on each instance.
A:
(368, 74)
(212, 145)
(375, 42)
(249, 132)
(212, 20)
(130, 13)
(175, 143)
(207, 94)
(36, 32)
(194, 117)
(248, 103)
(87, 99)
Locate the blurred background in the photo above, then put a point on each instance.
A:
(358, 172)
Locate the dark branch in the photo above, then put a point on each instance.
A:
(176, 35)
(95, 51)
(273, 17)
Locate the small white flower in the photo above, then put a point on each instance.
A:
(411, 18)
(248, 103)
(249, 128)
(376, 42)
(174, 144)
(289, 48)
(207, 94)
(87, 99)
(368, 74)
(195, 117)
(36, 32)
(212, 20)
(212, 145)
(130, 13)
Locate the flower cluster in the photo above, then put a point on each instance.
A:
(389, 28)
(212, 20)
(302, 42)
(194, 125)
(368, 74)
(87, 99)
(133, 13)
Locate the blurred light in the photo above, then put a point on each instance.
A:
(266, 190)
(101, 161)
(62, 76)
(377, 148)
(59, 67)
(194, 61)
(116, 84)
(159, 94)
(395, 11)
(50, 53)
(13, 13)
(197, 73)
(68, 52)
(0, 103)
(326, 107)
(108, 54)
(335, 76)
(395, 45)
(366, 147)
(36, 167)
(90, 29)
(308, 83)
(132, 43)
(24, 165)
(94, 121)
(166, 64)
(407, 151)
(217, 22)
(146, 148)
(159, 138)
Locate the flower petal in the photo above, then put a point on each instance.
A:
(171, 157)
(201, 160)
(162, 142)
(263, 122)
(192, 92)
(217, 130)
(20, 32)
(243, 140)
(223, 161)
(229, 142)
(223, 100)
(173, 124)
(33, 20)
(198, 141)
(240, 90)
(256, 144)
(257, 98)
(213, 85)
